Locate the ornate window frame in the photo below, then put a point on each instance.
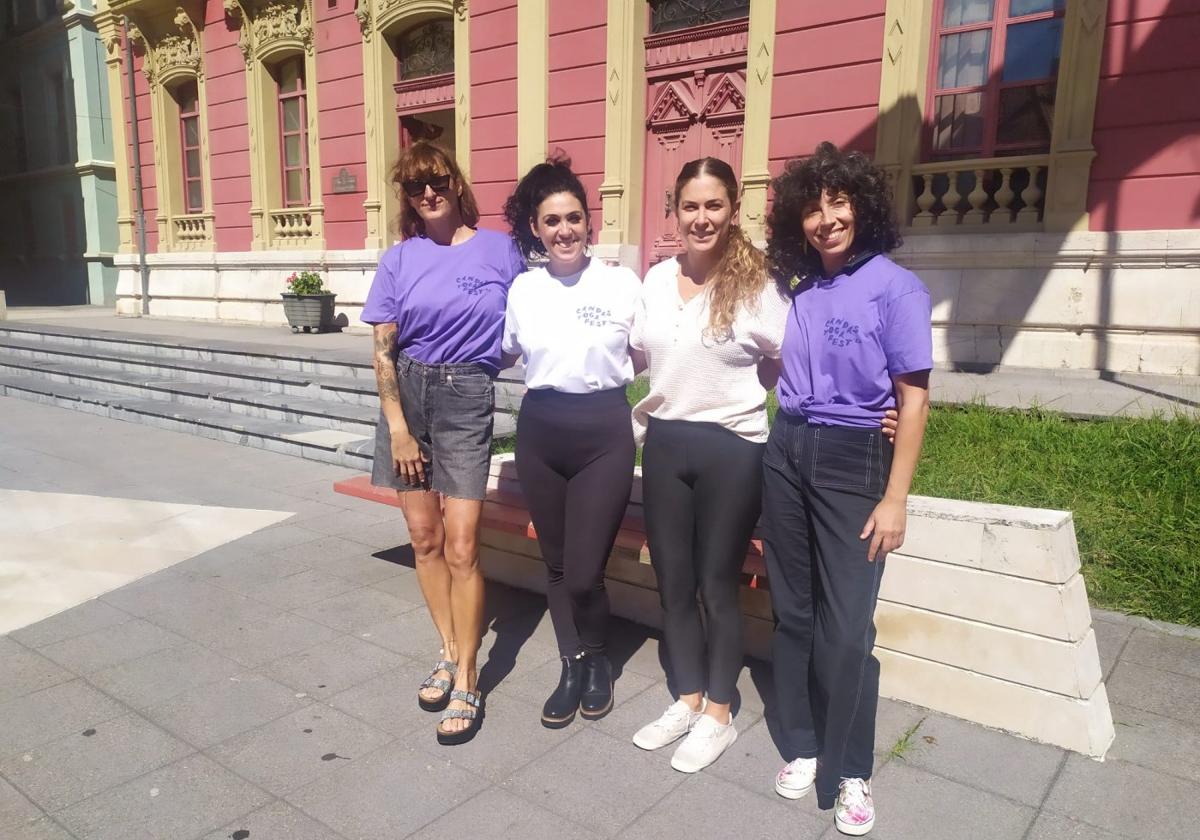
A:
(981, 191)
(379, 20)
(169, 37)
(272, 31)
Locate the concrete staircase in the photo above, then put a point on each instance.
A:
(321, 406)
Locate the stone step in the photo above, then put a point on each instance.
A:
(325, 414)
(233, 373)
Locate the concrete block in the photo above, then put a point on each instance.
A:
(1084, 726)
(208, 714)
(1057, 611)
(1070, 668)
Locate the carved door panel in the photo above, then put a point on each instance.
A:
(693, 115)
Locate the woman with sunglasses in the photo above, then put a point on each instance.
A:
(437, 304)
(858, 343)
(569, 320)
(711, 327)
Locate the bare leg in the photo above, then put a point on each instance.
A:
(423, 514)
(462, 519)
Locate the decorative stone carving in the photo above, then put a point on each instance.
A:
(265, 25)
(170, 46)
(362, 11)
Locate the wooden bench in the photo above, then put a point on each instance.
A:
(983, 615)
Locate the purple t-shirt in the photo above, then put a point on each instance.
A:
(847, 336)
(447, 301)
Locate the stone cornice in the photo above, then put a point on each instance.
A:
(271, 28)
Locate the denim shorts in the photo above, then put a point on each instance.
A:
(449, 411)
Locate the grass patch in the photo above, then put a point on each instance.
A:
(905, 743)
(1133, 486)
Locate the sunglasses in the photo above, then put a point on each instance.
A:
(415, 187)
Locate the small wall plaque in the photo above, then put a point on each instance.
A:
(345, 182)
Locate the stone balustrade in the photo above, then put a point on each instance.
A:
(998, 193)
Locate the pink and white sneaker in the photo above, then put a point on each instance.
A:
(854, 812)
(796, 778)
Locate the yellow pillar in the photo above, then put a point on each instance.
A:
(533, 79)
(760, 70)
(106, 25)
(624, 132)
(462, 86)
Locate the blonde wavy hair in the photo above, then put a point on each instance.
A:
(740, 274)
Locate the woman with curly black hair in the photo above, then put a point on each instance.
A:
(569, 320)
(857, 343)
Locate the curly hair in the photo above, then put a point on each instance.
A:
(803, 181)
(421, 160)
(740, 274)
(542, 181)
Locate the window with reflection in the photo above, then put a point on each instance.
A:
(426, 50)
(187, 98)
(994, 76)
(669, 15)
(293, 131)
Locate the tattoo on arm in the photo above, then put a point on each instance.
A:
(385, 362)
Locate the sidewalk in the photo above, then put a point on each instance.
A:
(1077, 393)
(264, 689)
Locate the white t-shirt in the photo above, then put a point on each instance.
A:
(692, 375)
(573, 332)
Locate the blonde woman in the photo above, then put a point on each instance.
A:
(711, 328)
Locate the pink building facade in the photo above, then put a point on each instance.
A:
(1045, 153)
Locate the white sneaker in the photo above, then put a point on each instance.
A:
(675, 722)
(854, 811)
(703, 745)
(796, 778)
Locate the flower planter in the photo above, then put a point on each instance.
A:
(308, 312)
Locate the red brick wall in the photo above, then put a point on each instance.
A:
(341, 121)
(1146, 174)
(827, 70)
(228, 137)
(493, 106)
(577, 90)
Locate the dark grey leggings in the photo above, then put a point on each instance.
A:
(575, 461)
(701, 488)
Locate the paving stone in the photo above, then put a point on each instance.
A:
(984, 759)
(43, 829)
(499, 813)
(1155, 742)
(239, 572)
(1050, 826)
(283, 535)
(143, 598)
(411, 634)
(390, 532)
(911, 803)
(290, 752)
(100, 649)
(324, 551)
(300, 589)
(1167, 653)
(1174, 695)
(393, 792)
(403, 585)
(1110, 640)
(325, 669)
(1126, 799)
(53, 712)
(564, 780)
(388, 701)
(207, 620)
(536, 672)
(180, 800)
(637, 648)
(72, 768)
(26, 671)
(510, 737)
(161, 675)
(208, 714)
(255, 643)
(354, 611)
(15, 809)
(751, 762)
(85, 618)
(277, 820)
(705, 806)
(893, 718)
(348, 522)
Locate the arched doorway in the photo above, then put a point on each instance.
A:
(696, 95)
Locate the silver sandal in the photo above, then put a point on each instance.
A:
(440, 684)
(474, 714)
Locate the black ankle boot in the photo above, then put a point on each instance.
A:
(561, 706)
(597, 698)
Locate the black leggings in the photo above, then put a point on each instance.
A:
(575, 461)
(701, 488)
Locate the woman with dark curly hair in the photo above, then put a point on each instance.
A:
(857, 343)
(569, 320)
